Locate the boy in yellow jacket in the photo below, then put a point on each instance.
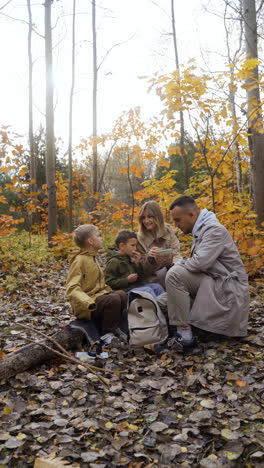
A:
(90, 297)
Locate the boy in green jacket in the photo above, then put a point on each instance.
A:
(123, 269)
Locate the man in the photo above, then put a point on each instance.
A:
(210, 289)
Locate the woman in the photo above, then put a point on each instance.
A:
(155, 235)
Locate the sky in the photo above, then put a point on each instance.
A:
(144, 26)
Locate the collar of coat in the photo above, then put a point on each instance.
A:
(75, 253)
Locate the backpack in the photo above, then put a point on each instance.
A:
(146, 323)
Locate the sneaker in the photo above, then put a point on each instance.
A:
(109, 339)
(122, 336)
(177, 343)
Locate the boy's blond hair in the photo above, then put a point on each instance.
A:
(82, 233)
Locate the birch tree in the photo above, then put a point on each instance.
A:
(182, 142)
(70, 220)
(95, 72)
(30, 102)
(232, 59)
(50, 147)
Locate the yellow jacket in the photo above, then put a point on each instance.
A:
(85, 282)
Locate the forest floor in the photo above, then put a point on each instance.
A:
(202, 410)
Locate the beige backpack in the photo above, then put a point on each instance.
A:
(146, 323)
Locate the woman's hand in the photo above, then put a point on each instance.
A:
(153, 252)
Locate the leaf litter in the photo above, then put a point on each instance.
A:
(202, 410)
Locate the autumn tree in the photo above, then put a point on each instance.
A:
(176, 162)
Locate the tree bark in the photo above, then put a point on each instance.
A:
(95, 72)
(34, 355)
(70, 220)
(50, 147)
(235, 126)
(182, 142)
(30, 103)
(232, 100)
(256, 138)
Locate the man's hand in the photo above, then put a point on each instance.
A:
(137, 257)
(132, 278)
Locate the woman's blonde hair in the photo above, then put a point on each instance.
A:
(82, 233)
(153, 209)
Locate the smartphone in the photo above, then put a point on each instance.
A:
(164, 252)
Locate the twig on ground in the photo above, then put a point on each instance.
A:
(56, 343)
(64, 351)
(68, 356)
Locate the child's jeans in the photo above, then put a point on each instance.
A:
(155, 289)
(109, 310)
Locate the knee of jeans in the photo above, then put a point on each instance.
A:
(173, 276)
(123, 298)
(120, 298)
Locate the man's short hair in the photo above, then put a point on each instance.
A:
(184, 202)
(123, 236)
(82, 233)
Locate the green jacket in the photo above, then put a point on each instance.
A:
(85, 282)
(118, 268)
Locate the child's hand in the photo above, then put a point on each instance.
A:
(132, 278)
(137, 257)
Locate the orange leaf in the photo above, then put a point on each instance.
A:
(2, 355)
(240, 383)
(253, 250)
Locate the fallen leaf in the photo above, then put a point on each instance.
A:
(158, 426)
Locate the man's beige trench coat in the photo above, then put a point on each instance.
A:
(222, 301)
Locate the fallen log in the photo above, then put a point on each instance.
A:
(33, 355)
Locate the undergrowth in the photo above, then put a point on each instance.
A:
(19, 253)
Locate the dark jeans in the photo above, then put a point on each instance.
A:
(109, 310)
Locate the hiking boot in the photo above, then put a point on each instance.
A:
(177, 343)
(122, 336)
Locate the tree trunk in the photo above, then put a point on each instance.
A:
(182, 142)
(256, 138)
(50, 148)
(95, 71)
(34, 355)
(235, 127)
(70, 220)
(131, 190)
(30, 103)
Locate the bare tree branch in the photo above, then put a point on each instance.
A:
(260, 6)
(2, 7)
(21, 21)
(111, 48)
(105, 165)
(162, 9)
